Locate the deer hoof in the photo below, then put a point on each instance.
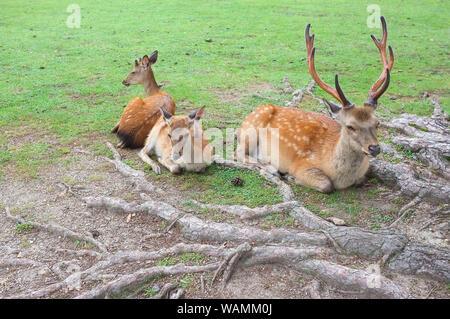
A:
(156, 169)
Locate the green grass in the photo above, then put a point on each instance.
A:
(66, 83)
(81, 244)
(357, 206)
(186, 281)
(23, 228)
(214, 186)
(279, 220)
(186, 258)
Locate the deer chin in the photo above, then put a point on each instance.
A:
(176, 158)
(365, 151)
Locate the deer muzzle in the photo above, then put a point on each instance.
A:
(374, 150)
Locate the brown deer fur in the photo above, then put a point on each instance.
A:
(140, 115)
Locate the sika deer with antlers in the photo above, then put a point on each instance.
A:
(140, 114)
(320, 152)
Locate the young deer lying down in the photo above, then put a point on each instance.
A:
(140, 114)
(319, 152)
(179, 143)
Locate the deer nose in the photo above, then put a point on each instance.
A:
(374, 150)
(176, 156)
(124, 82)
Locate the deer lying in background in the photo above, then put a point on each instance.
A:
(319, 152)
(140, 114)
(179, 143)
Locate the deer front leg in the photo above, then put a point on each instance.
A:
(171, 166)
(314, 178)
(144, 156)
(166, 160)
(115, 128)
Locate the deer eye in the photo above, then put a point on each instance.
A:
(170, 135)
(351, 128)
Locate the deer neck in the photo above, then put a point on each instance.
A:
(349, 161)
(150, 85)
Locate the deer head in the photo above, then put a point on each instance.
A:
(142, 72)
(359, 123)
(181, 130)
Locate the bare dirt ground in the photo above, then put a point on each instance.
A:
(49, 200)
(109, 249)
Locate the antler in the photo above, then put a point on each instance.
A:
(387, 67)
(337, 93)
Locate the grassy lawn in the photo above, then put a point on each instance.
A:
(64, 85)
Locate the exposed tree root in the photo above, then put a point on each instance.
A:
(244, 212)
(227, 266)
(288, 88)
(429, 139)
(384, 245)
(195, 228)
(313, 290)
(57, 230)
(129, 281)
(410, 183)
(41, 293)
(137, 178)
(372, 245)
(79, 253)
(108, 261)
(422, 261)
(169, 290)
(17, 262)
(402, 212)
(297, 95)
(301, 259)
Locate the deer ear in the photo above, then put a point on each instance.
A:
(154, 57)
(145, 62)
(197, 114)
(334, 108)
(166, 115)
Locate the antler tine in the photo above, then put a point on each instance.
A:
(337, 93)
(309, 39)
(387, 65)
(386, 82)
(346, 103)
